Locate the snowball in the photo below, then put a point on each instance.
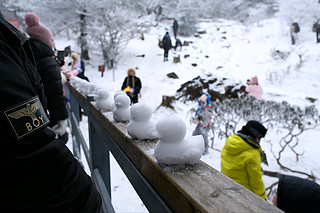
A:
(171, 129)
(141, 127)
(141, 112)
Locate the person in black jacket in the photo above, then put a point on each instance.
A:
(42, 44)
(38, 172)
(316, 29)
(175, 28)
(294, 30)
(132, 85)
(297, 195)
(166, 41)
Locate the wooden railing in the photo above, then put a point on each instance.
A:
(197, 188)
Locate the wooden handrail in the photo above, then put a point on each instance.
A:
(193, 188)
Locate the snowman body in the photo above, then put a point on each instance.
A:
(103, 102)
(173, 147)
(141, 127)
(121, 112)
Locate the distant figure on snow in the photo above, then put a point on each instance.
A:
(78, 65)
(175, 28)
(242, 155)
(295, 194)
(166, 41)
(253, 88)
(178, 44)
(132, 85)
(294, 30)
(203, 118)
(316, 29)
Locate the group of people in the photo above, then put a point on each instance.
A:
(166, 43)
(40, 174)
(295, 29)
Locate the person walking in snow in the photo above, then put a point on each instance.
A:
(294, 30)
(167, 45)
(242, 155)
(38, 172)
(78, 65)
(178, 44)
(316, 29)
(132, 85)
(203, 119)
(42, 43)
(295, 194)
(254, 89)
(175, 28)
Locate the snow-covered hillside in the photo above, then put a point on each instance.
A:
(231, 50)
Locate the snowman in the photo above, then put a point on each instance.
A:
(173, 147)
(121, 112)
(103, 101)
(141, 127)
(116, 94)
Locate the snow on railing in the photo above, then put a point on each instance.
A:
(162, 188)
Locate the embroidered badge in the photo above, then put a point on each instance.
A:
(26, 117)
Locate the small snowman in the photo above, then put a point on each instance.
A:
(103, 101)
(173, 147)
(116, 94)
(121, 112)
(141, 127)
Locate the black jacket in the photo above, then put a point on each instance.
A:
(38, 172)
(166, 42)
(49, 71)
(128, 81)
(175, 26)
(298, 195)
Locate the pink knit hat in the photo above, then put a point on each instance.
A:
(37, 30)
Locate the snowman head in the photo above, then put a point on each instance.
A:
(141, 112)
(119, 92)
(122, 101)
(103, 94)
(171, 129)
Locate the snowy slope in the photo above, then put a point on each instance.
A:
(233, 51)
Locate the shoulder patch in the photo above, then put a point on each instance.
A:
(26, 117)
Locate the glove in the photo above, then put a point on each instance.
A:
(60, 128)
(128, 89)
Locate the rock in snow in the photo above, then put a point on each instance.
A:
(121, 112)
(103, 101)
(173, 147)
(141, 127)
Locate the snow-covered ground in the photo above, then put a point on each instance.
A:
(232, 50)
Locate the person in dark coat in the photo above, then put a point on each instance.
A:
(297, 195)
(316, 29)
(294, 30)
(49, 70)
(167, 45)
(38, 172)
(178, 44)
(175, 28)
(132, 85)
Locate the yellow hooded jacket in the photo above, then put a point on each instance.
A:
(242, 163)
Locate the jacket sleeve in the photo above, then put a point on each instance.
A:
(138, 86)
(124, 85)
(255, 176)
(51, 78)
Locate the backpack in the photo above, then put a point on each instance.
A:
(296, 27)
(160, 44)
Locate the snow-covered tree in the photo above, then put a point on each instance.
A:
(187, 18)
(112, 29)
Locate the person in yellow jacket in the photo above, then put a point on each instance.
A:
(242, 155)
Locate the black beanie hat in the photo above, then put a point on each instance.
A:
(256, 129)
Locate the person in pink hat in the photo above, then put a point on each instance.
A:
(41, 42)
(254, 89)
